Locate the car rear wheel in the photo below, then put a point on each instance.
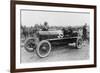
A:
(79, 43)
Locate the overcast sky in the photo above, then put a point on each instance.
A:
(30, 18)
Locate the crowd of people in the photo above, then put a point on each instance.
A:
(45, 27)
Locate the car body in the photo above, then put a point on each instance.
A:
(44, 40)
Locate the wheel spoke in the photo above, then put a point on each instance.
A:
(30, 45)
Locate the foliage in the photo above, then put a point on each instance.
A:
(30, 31)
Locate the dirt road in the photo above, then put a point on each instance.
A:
(58, 53)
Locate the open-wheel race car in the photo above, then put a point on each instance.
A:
(43, 40)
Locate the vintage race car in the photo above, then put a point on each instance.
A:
(43, 40)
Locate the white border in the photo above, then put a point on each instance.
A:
(52, 64)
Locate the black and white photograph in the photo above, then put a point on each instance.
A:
(54, 36)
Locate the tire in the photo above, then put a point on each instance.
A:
(30, 44)
(79, 43)
(43, 49)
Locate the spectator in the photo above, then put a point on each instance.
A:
(85, 32)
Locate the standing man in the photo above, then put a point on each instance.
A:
(85, 31)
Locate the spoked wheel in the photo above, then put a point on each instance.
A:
(30, 44)
(79, 43)
(43, 48)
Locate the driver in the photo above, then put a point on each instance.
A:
(45, 26)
